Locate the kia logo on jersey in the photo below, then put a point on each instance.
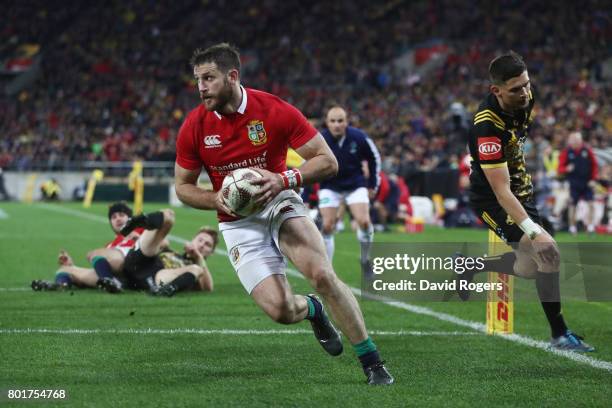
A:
(212, 141)
(489, 148)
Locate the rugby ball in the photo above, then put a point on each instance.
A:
(237, 191)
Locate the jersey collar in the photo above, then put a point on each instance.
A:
(243, 104)
(511, 115)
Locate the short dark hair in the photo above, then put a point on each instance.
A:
(506, 66)
(226, 57)
(120, 206)
(210, 231)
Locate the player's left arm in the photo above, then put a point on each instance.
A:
(320, 164)
(320, 161)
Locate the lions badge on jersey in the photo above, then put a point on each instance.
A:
(234, 255)
(257, 133)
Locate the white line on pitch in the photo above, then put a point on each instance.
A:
(420, 310)
(235, 332)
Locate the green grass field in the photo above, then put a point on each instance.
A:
(219, 349)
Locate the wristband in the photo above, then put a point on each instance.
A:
(530, 228)
(291, 179)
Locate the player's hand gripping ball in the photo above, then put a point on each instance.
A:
(237, 191)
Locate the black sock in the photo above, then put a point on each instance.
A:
(500, 264)
(547, 285)
(150, 221)
(154, 220)
(102, 267)
(184, 281)
(369, 359)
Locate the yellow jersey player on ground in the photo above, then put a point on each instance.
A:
(501, 191)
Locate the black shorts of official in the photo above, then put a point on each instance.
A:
(580, 191)
(140, 269)
(496, 218)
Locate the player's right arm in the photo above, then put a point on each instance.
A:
(187, 190)
(187, 169)
(499, 180)
(490, 138)
(544, 244)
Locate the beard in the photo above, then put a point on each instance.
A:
(216, 102)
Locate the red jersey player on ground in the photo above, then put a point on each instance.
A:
(235, 127)
(107, 262)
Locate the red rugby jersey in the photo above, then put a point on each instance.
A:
(122, 242)
(257, 135)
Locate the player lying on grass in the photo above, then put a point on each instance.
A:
(151, 265)
(501, 192)
(107, 262)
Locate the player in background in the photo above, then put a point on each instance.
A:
(501, 192)
(351, 147)
(151, 265)
(237, 127)
(392, 202)
(107, 262)
(578, 165)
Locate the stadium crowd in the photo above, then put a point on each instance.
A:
(119, 88)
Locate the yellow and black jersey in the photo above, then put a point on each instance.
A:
(497, 139)
(173, 260)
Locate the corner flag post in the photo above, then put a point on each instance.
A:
(500, 304)
(136, 184)
(96, 175)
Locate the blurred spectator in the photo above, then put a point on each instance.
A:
(121, 91)
(5, 195)
(578, 165)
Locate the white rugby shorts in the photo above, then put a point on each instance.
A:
(252, 242)
(331, 198)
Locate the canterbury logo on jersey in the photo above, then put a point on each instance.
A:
(212, 141)
(489, 148)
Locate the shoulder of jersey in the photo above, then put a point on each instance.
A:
(487, 115)
(356, 133)
(196, 113)
(262, 96)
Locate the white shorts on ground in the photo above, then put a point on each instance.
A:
(252, 242)
(331, 198)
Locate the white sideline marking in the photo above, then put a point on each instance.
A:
(19, 289)
(421, 310)
(3, 214)
(233, 332)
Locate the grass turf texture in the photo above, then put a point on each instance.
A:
(113, 366)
